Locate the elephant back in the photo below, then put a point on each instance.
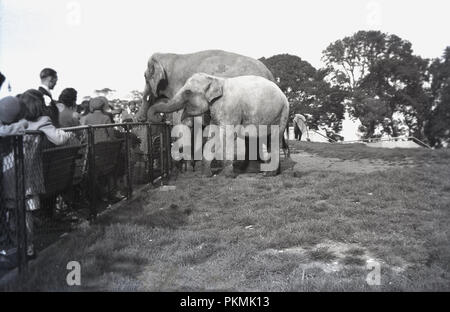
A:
(228, 65)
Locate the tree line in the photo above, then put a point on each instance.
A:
(376, 77)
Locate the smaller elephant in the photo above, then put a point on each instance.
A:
(243, 100)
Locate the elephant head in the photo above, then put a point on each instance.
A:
(195, 97)
(155, 78)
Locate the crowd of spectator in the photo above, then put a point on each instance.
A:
(39, 110)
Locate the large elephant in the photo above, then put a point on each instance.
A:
(245, 100)
(167, 73)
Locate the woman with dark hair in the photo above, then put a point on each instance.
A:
(68, 117)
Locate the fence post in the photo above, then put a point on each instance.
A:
(20, 205)
(166, 154)
(169, 135)
(161, 152)
(92, 176)
(127, 162)
(168, 146)
(150, 151)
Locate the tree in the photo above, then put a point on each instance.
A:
(384, 80)
(438, 127)
(105, 92)
(307, 91)
(136, 94)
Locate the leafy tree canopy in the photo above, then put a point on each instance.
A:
(307, 91)
(438, 127)
(383, 77)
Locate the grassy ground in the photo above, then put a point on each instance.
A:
(313, 227)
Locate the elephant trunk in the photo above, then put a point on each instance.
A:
(147, 97)
(164, 107)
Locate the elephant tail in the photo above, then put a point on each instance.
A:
(285, 147)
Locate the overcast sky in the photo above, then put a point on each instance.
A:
(95, 44)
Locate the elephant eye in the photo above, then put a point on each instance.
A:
(187, 92)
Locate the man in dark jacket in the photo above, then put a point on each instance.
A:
(49, 78)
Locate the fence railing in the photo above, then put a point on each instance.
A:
(401, 138)
(59, 186)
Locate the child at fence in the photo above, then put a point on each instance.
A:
(33, 102)
(11, 111)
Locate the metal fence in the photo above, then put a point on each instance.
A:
(47, 190)
(391, 139)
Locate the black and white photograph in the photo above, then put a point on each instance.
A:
(231, 147)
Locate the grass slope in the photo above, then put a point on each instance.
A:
(308, 229)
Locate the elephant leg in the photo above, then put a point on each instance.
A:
(273, 148)
(228, 153)
(242, 165)
(206, 168)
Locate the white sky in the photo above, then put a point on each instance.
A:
(95, 44)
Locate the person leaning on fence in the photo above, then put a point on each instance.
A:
(34, 183)
(68, 117)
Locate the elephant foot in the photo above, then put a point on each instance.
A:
(207, 172)
(228, 172)
(270, 173)
(273, 172)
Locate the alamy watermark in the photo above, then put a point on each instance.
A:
(374, 16)
(221, 143)
(73, 278)
(73, 15)
(374, 276)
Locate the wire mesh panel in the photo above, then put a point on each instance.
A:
(7, 194)
(49, 177)
(12, 205)
(8, 237)
(65, 177)
(139, 154)
(157, 137)
(109, 163)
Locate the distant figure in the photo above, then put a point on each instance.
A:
(300, 127)
(128, 114)
(49, 78)
(68, 117)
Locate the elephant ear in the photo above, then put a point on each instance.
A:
(214, 90)
(157, 74)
